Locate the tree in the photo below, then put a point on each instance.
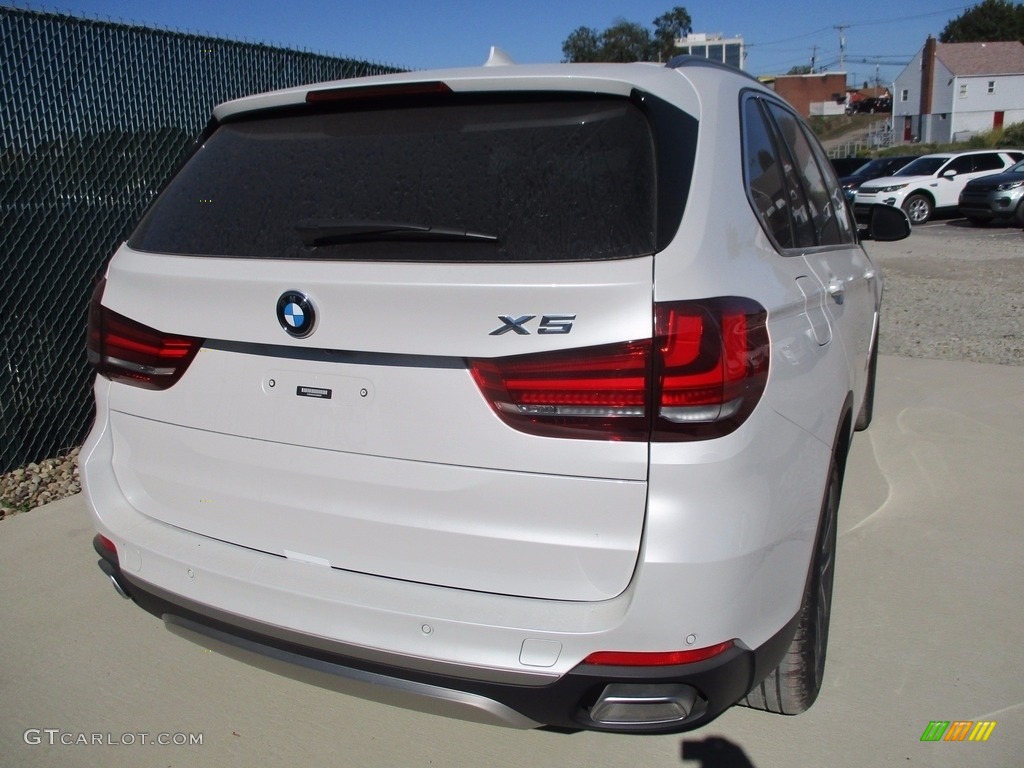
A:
(803, 69)
(990, 20)
(668, 28)
(583, 44)
(627, 41)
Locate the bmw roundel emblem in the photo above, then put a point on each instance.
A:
(296, 314)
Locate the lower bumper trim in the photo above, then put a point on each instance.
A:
(372, 686)
(664, 699)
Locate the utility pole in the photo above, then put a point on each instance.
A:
(814, 59)
(842, 45)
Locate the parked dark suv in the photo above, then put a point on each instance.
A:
(999, 197)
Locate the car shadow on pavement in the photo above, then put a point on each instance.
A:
(714, 752)
(996, 224)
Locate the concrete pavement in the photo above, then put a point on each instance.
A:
(927, 626)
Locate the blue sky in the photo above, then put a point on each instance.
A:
(422, 34)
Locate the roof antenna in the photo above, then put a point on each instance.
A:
(498, 58)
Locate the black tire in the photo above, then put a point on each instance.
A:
(794, 685)
(1019, 216)
(918, 208)
(867, 408)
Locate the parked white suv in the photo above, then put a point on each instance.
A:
(931, 183)
(521, 394)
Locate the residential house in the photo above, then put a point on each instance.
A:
(952, 91)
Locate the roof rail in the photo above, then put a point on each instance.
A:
(685, 60)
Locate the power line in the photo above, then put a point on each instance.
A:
(917, 16)
(783, 57)
(823, 30)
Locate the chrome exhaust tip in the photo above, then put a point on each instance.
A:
(623, 704)
(115, 578)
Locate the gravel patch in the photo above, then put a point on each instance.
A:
(40, 483)
(952, 292)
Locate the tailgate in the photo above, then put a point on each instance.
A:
(368, 446)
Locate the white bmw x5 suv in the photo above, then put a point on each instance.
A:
(519, 394)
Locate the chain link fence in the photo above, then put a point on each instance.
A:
(94, 116)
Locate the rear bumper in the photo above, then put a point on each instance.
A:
(686, 696)
(717, 564)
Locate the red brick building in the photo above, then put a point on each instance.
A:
(821, 94)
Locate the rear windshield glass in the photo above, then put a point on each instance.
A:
(519, 179)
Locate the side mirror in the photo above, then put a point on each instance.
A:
(886, 224)
(949, 174)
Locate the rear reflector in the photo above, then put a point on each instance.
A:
(126, 351)
(656, 658)
(699, 377)
(101, 542)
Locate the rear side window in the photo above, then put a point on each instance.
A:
(964, 164)
(764, 179)
(790, 181)
(844, 231)
(517, 178)
(987, 162)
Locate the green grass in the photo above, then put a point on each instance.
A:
(825, 128)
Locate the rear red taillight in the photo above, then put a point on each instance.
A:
(596, 392)
(711, 367)
(699, 377)
(126, 351)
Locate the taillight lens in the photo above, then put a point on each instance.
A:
(595, 392)
(126, 351)
(699, 377)
(711, 366)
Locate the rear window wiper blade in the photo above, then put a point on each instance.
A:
(316, 232)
